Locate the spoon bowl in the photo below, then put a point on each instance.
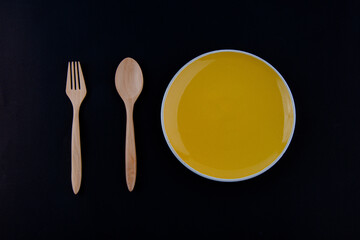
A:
(129, 79)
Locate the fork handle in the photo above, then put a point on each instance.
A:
(130, 150)
(75, 153)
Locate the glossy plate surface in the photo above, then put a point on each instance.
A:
(228, 115)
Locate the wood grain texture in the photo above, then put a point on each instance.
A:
(129, 84)
(76, 91)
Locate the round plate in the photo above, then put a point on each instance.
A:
(228, 115)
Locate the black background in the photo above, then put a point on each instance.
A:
(313, 191)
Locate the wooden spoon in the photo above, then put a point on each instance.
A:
(129, 83)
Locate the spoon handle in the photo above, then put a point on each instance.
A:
(75, 152)
(130, 151)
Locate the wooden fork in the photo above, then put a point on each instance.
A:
(76, 91)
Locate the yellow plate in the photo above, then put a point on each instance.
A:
(228, 115)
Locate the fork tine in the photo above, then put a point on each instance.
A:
(77, 75)
(68, 79)
(81, 76)
(72, 76)
(76, 80)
